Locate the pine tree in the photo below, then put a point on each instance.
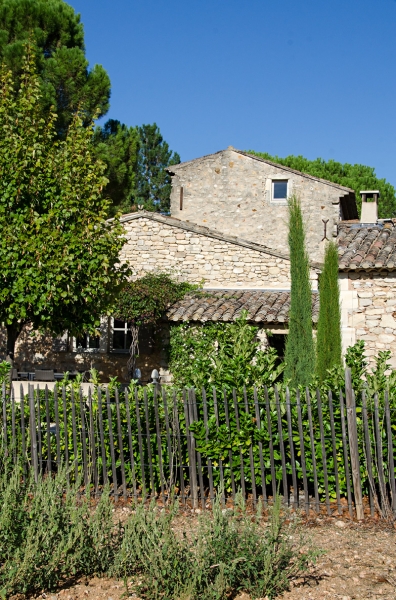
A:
(58, 35)
(328, 343)
(299, 351)
(117, 146)
(358, 177)
(153, 181)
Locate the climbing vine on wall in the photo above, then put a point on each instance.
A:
(144, 302)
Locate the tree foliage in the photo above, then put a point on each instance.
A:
(299, 350)
(358, 177)
(59, 256)
(58, 35)
(145, 300)
(328, 340)
(117, 146)
(221, 355)
(136, 158)
(153, 181)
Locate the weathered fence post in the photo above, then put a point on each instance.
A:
(192, 469)
(33, 434)
(353, 444)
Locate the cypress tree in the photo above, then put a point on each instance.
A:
(328, 346)
(299, 351)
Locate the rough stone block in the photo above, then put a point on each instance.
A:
(365, 302)
(386, 338)
(388, 321)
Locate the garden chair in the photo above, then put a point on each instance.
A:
(44, 375)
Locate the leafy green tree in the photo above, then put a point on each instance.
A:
(117, 146)
(328, 341)
(358, 177)
(57, 32)
(299, 350)
(59, 256)
(153, 181)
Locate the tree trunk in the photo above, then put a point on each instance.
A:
(133, 351)
(13, 332)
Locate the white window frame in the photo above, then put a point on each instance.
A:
(279, 201)
(80, 350)
(103, 340)
(125, 329)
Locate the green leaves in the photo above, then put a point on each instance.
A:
(328, 340)
(221, 355)
(358, 177)
(299, 350)
(59, 255)
(136, 159)
(65, 81)
(145, 300)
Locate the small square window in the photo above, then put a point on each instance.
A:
(122, 336)
(279, 190)
(87, 342)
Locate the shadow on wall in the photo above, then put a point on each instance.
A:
(37, 351)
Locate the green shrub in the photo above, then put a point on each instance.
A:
(48, 535)
(5, 368)
(328, 340)
(221, 355)
(228, 552)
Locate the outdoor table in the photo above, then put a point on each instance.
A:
(60, 376)
(23, 375)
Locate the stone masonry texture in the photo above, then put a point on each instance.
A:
(231, 192)
(156, 244)
(369, 302)
(157, 247)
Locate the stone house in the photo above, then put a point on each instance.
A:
(245, 196)
(228, 231)
(368, 284)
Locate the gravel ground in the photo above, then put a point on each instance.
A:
(359, 562)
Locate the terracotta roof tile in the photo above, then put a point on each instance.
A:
(367, 247)
(263, 306)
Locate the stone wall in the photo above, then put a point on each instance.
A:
(231, 192)
(37, 351)
(369, 311)
(156, 243)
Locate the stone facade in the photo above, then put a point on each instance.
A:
(200, 255)
(369, 311)
(231, 192)
(41, 351)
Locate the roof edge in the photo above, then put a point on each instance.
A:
(347, 190)
(199, 229)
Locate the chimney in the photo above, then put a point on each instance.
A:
(369, 214)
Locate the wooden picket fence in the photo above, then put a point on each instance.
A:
(321, 453)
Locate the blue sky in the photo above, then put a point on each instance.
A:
(311, 77)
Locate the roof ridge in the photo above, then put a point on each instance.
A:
(171, 168)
